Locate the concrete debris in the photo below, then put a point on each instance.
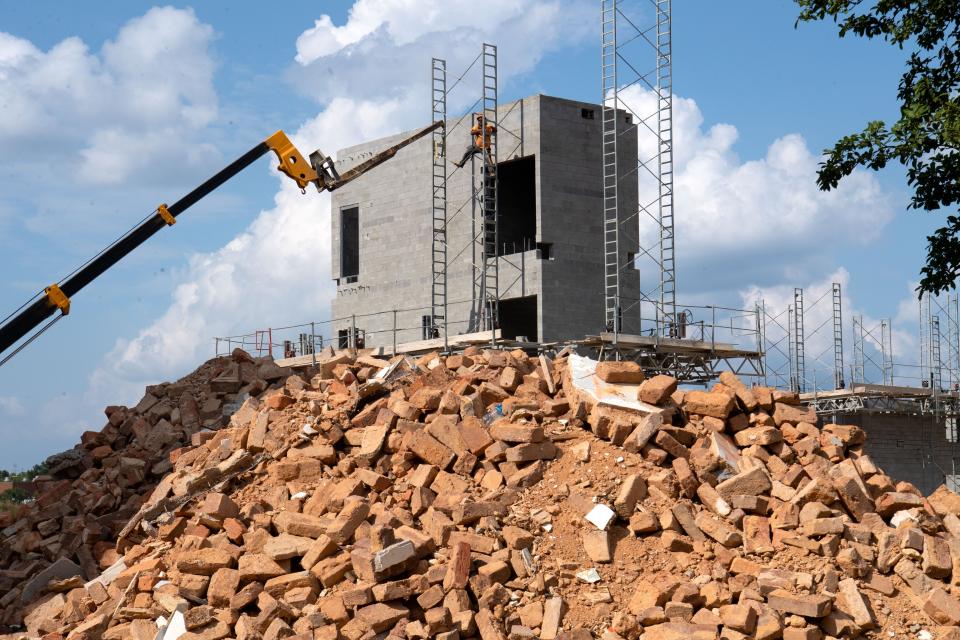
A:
(600, 516)
(484, 494)
(590, 576)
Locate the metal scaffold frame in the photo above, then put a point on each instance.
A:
(953, 336)
(813, 356)
(799, 361)
(924, 330)
(438, 288)
(488, 276)
(668, 275)
(611, 177)
(664, 338)
(482, 203)
(816, 324)
(863, 336)
(858, 368)
(943, 341)
(775, 336)
(659, 167)
(886, 351)
(936, 372)
(837, 337)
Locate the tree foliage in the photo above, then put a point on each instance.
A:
(14, 496)
(24, 476)
(926, 137)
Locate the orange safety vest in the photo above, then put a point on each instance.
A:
(482, 141)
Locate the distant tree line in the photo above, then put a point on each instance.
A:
(23, 476)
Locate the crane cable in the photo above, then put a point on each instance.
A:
(72, 273)
(24, 344)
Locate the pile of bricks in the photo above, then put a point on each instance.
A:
(371, 499)
(744, 476)
(93, 490)
(340, 506)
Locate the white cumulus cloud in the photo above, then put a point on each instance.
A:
(92, 109)
(403, 22)
(11, 406)
(738, 219)
(384, 48)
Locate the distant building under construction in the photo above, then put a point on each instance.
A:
(548, 237)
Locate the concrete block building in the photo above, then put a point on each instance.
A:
(550, 229)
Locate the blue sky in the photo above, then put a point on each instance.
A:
(111, 108)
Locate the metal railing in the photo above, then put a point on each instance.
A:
(349, 331)
(713, 324)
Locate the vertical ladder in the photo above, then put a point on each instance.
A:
(668, 276)
(438, 288)
(761, 311)
(791, 356)
(611, 215)
(859, 360)
(886, 351)
(489, 298)
(924, 303)
(936, 378)
(837, 337)
(798, 337)
(953, 352)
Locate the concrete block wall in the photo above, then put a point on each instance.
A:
(911, 448)
(571, 216)
(395, 226)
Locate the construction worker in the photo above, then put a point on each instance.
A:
(480, 140)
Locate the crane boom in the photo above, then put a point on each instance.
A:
(320, 171)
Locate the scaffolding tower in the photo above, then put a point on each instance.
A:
(946, 335)
(438, 287)
(658, 123)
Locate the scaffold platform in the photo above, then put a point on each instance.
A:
(690, 361)
(878, 398)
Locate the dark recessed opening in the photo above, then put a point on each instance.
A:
(518, 317)
(631, 261)
(343, 338)
(586, 114)
(516, 206)
(543, 250)
(350, 243)
(427, 328)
